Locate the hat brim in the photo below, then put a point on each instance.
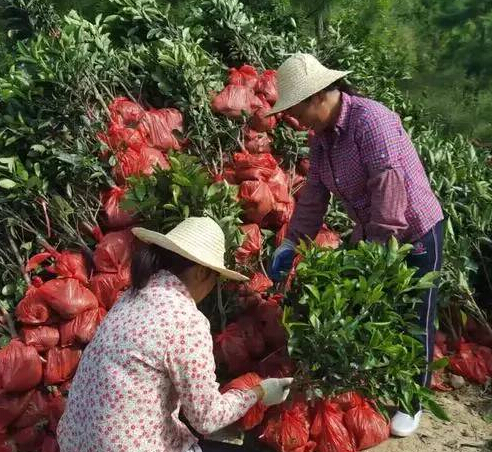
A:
(286, 102)
(161, 240)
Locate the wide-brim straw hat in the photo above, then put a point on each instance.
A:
(299, 77)
(199, 239)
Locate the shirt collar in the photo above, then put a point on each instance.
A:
(344, 116)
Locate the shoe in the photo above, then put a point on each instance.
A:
(403, 424)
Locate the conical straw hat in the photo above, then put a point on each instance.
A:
(299, 77)
(199, 239)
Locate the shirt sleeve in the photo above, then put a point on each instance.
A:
(191, 367)
(381, 139)
(312, 205)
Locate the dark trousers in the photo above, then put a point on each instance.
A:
(215, 446)
(427, 257)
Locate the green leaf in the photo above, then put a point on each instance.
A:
(437, 410)
(7, 184)
(439, 364)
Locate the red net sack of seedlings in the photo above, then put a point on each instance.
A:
(257, 142)
(289, 431)
(124, 112)
(122, 139)
(347, 400)
(61, 365)
(260, 121)
(255, 414)
(327, 238)
(29, 439)
(467, 364)
(257, 200)
(437, 382)
(293, 122)
(107, 287)
(280, 215)
(328, 430)
(303, 166)
(68, 297)
(158, 126)
(279, 186)
(368, 427)
(267, 85)
(71, 265)
(56, 405)
(114, 216)
(154, 157)
(32, 309)
(486, 354)
(276, 365)
(280, 236)
(36, 260)
(246, 75)
(114, 252)
(42, 338)
(230, 349)
(130, 163)
(36, 411)
(235, 100)
(12, 406)
(259, 282)
(255, 344)
(441, 340)
(50, 444)
(254, 166)
(269, 317)
(20, 367)
(251, 244)
(82, 328)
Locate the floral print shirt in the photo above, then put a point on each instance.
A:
(151, 357)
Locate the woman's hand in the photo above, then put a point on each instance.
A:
(273, 390)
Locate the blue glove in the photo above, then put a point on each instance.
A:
(282, 260)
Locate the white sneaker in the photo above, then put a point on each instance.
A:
(403, 424)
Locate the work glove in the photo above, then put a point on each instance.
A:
(282, 260)
(275, 390)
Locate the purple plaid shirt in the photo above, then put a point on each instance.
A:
(369, 162)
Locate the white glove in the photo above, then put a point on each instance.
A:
(275, 390)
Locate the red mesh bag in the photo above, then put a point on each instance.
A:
(368, 427)
(276, 365)
(289, 431)
(280, 215)
(233, 100)
(260, 121)
(328, 430)
(138, 163)
(154, 157)
(42, 338)
(61, 365)
(255, 344)
(68, 297)
(37, 259)
(437, 382)
(257, 200)
(20, 367)
(251, 245)
(267, 85)
(257, 142)
(36, 411)
(158, 126)
(327, 238)
(347, 400)
(485, 353)
(71, 265)
(230, 349)
(246, 75)
(12, 406)
(259, 167)
(32, 309)
(255, 415)
(114, 252)
(279, 186)
(259, 282)
(29, 438)
(124, 112)
(467, 364)
(269, 317)
(50, 444)
(293, 122)
(82, 328)
(114, 216)
(441, 340)
(280, 236)
(107, 287)
(121, 139)
(56, 405)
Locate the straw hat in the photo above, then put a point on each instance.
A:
(299, 77)
(199, 239)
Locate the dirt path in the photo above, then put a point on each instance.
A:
(468, 430)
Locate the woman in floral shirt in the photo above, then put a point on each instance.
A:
(152, 356)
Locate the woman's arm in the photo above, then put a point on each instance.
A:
(191, 366)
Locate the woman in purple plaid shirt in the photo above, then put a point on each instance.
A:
(362, 155)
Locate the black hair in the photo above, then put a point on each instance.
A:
(344, 87)
(149, 259)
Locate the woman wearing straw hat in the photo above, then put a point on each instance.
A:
(152, 355)
(361, 154)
